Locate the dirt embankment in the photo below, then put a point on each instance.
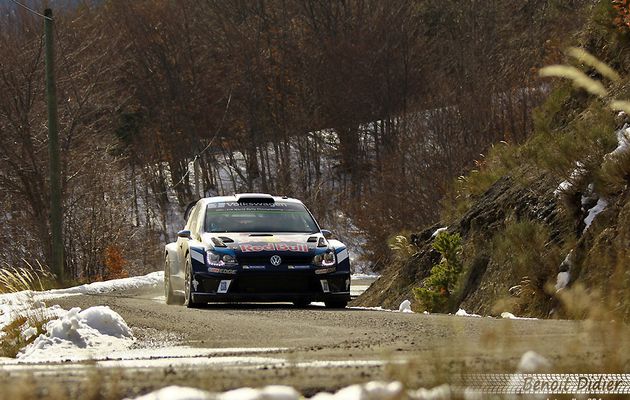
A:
(515, 238)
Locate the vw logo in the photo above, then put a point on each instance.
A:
(276, 260)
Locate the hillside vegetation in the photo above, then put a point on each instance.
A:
(545, 225)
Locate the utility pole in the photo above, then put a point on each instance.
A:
(56, 213)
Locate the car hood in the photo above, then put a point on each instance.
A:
(253, 243)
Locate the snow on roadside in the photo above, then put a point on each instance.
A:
(509, 315)
(176, 393)
(405, 307)
(374, 390)
(462, 313)
(135, 282)
(356, 277)
(79, 335)
(74, 334)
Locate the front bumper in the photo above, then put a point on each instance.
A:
(271, 286)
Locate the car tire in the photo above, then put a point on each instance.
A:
(188, 299)
(336, 304)
(301, 303)
(170, 297)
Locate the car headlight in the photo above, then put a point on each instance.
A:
(324, 260)
(219, 260)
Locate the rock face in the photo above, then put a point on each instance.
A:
(492, 279)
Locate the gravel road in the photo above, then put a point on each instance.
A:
(312, 348)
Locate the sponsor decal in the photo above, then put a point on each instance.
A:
(342, 255)
(324, 271)
(296, 247)
(224, 286)
(299, 267)
(254, 267)
(222, 271)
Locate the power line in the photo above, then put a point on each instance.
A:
(31, 10)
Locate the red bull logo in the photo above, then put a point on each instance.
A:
(296, 247)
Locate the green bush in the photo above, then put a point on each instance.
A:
(437, 289)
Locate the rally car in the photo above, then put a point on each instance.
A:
(255, 247)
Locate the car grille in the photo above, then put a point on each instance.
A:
(275, 283)
(264, 260)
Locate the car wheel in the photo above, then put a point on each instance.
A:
(170, 297)
(336, 304)
(188, 300)
(301, 303)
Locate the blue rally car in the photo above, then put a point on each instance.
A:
(255, 247)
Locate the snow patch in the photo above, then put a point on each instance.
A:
(565, 186)
(562, 280)
(405, 307)
(623, 142)
(364, 276)
(462, 313)
(438, 231)
(532, 362)
(594, 212)
(509, 315)
(273, 392)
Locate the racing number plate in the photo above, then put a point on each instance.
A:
(224, 286)
(325, 287)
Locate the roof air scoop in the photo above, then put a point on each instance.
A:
(254, 198)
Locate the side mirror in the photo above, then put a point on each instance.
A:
(327, 234)
(184, 234)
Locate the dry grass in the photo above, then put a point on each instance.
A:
(13, 336)
(27, 277)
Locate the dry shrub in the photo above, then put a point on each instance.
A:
(525, 249)
(115, 263)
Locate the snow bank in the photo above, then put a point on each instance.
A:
(94, 330)
(135, 282)
(12, 302)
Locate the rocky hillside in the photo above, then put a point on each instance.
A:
(544, 226)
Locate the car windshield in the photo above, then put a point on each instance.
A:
(244, 217)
